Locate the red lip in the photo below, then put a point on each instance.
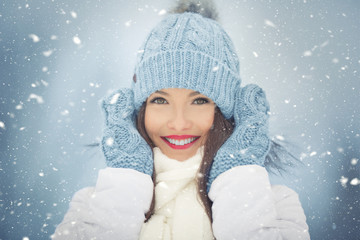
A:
(180, 137)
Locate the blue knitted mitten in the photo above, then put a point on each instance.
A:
(122, 144)
(249, 143)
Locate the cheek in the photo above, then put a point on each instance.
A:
(153, 122)
(149, 123)
(205, 119)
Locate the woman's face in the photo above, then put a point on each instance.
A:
(177, 121)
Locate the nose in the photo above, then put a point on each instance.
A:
(180, 120)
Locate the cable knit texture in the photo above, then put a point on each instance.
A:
(249, 143)
(188, 51)
(122, 144)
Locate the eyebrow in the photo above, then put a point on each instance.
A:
(166, 94)
(194, 94)
(161, 92)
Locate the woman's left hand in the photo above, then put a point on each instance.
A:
(249, 143)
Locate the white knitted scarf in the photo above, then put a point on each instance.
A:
(178, 212)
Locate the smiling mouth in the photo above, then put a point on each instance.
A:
(180, 141)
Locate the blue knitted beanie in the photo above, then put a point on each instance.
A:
(188, 51)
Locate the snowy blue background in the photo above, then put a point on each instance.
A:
(59, 58)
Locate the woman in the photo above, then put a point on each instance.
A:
(186, 148)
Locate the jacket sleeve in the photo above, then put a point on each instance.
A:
(114, 209)
(245, 206)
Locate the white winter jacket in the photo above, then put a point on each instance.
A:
(245, 206)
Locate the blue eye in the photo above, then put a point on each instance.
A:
(200, 101)
(158, 100)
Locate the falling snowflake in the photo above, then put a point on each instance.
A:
(2, 125)
(38, 98)
(109, 141)
(307, 53)
(355, 181)
(215, 68)
(73, 14)
(162, 12)
(47, 53)
(114, 98)
(354, 161)
(34, 37)
(76, 40)
(343, 181)
(269, 23)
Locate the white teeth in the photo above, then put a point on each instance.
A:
(180, 142)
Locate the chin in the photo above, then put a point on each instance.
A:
(181, 154)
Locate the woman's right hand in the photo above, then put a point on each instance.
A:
(122, 144)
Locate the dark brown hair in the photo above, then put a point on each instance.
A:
(221, 130)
